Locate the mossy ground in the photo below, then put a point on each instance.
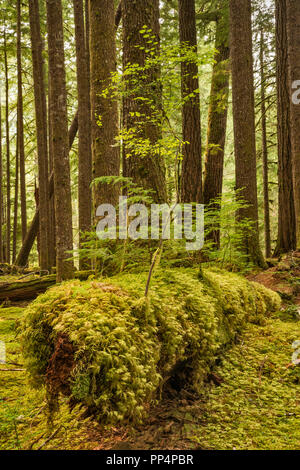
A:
(256, 407)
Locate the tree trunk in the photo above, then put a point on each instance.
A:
(51, 237)
(8, 198)
(16, 201)
(286, 207)
(106, 155)
(191, 176)
(217, 122)
(143, 116)
(41, 130)
(21, 124)
(293, 29)
(1, 187)
(84, 128)
(265, 150)
(61, 165)
(244, 123)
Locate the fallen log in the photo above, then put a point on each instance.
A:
(27, 290)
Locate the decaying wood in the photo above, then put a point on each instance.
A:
(25, 290)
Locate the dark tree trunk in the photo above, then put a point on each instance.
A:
(16, 205)
(265, 150)
(191, 176)
(244, 123)
(286, 206)
(84, 127)
(21, 124)
(293, 29)
(147, 171)
(61, 165)
(1, 188)
(8, 196)
(41, 130)
(217, 122)
(52, 236)
(106, 155)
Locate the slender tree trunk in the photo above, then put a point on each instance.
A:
(217, 122)
(52, 237)
(147, 171)
(1, 186)
(293, 29)
(21, 125)
(61, 164)
(8, 196)
(286, 206)
(265, 150)
(84, 128)
(244, 123)
(191, 177)
(16, 201)
(106, 155)
(41, 129)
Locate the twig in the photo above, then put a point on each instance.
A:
(50, 437)
(12, 370)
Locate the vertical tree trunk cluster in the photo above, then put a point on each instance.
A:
(244, 122)
(217, 121)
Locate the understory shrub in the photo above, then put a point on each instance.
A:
(106, 346)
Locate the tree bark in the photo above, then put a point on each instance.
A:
(217, 122)
(191, 176)
(84, 127)
(265, 150)
(147, 171)
(244, 123)
(1, 186)
(8, 197)
(286, 207)
(61, 165)
(16, 200)
(106, 155)
(293, 29)
(41, 130)
(21, 124)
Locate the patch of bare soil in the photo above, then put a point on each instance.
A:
(283, 278)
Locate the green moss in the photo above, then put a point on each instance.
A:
(257, 405)
(124, 345)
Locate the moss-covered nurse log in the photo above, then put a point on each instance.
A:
(103, 344)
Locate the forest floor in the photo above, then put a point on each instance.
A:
(251, 400)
